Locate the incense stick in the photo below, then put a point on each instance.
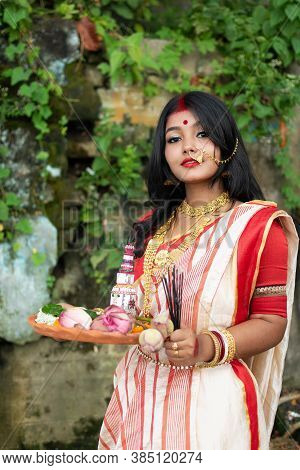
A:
(173, 287)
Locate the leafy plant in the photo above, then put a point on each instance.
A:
(53, 309)
(115, 174)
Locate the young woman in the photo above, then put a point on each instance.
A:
(216, 382)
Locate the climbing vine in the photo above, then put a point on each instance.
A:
(26, 88)
(110, 184)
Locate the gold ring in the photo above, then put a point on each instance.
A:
(174, 346)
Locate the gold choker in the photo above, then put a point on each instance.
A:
(186, 209)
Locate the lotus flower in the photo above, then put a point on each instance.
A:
(162, 323)
(75, 317)
(151, 339)
(97, 324)
(114, 318)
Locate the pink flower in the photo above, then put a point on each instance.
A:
(113, 318)
(73, 316)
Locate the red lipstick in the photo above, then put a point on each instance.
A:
(189, 162)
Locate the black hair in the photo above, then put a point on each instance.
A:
(222, 130)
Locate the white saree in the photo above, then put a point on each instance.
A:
(231, 406)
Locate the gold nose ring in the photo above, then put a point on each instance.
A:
(198, 158)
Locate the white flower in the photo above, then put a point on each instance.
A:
(162, 317)
(47, 318)
(54, 171)
(151, 340)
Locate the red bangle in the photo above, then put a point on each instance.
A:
(221, 341)
(196, 348)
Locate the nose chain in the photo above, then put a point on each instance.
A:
(204, 153)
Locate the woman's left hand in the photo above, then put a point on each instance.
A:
(186, 340)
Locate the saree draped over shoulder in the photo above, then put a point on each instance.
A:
(231, 406)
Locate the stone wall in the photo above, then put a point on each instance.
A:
(54, 395)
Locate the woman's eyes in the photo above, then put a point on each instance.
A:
(170, 141)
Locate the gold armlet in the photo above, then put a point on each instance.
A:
(269, 291)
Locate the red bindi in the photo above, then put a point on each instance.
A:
(185, 121)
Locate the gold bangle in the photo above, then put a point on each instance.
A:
(231, 345)
(217, 355)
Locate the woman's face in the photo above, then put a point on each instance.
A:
(189, 136)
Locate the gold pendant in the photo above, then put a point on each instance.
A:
(161, 258)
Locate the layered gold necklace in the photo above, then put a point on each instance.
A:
(157, 262)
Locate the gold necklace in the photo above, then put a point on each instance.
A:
(153, 263)
(187, 209)
(164, 261)
(163, 257)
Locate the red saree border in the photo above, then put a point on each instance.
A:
(264, 238)
(249, 248)
(250, 401)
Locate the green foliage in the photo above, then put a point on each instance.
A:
(26, 89)
(42, 155)
(23, 225)
(66, 10)
(11, 221)
(15, 13)
(38, 258)
(28, 82)
(53, 309)
(3, 211)
(4, 173)
(91, 313)
(119, 163)
(253, 46)
(50, 282)
(114, 175)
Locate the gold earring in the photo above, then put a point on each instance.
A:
(169, 182)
